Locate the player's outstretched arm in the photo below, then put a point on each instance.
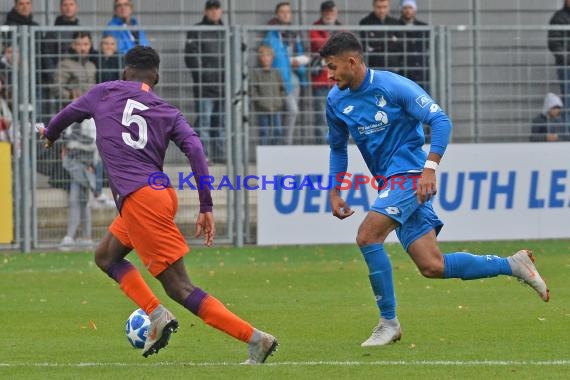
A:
(205, 226)
(339, 207)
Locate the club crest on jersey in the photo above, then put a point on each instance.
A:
(380, 101)
(423, 100)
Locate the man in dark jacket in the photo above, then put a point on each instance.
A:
(382, 48)
(559, 45)
(205, 58)
(415, 57)
(21, 14)
(57, 44)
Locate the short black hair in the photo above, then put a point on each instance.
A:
(339, 43)
(81, 34)
(327, 5)
(143, 58)
(281, 4)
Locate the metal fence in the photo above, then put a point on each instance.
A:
(497, 78)
(491, 80)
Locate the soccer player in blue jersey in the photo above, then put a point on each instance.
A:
(383, 113)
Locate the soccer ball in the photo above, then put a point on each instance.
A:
(137, 328)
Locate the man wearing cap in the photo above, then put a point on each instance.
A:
(319, 74)
(204, 56)
(415, 60)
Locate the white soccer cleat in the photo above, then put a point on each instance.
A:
(161, 327)
(260, 351)
(387, 331)
(522, 265)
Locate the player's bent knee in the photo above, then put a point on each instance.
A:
(176, 288)
(363, 239)
(101, 259)
(431, 270)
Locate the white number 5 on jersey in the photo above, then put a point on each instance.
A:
(129, 118)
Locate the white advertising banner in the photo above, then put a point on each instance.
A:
(485, 192)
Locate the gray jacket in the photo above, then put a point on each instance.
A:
(74, 73)
(267, 90)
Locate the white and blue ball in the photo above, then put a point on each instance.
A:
(137, 328)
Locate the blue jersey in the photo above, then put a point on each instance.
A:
(384, 117)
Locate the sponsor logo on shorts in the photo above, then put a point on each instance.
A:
(392, 210)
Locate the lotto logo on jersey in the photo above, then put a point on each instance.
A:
(423, 100)
(392, 210)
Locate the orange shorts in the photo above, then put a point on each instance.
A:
(146, 223)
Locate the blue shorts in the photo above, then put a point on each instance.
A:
(402, 205)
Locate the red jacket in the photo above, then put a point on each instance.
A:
(319, 78)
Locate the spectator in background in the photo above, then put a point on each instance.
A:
(74, 76)
(205, 51)
(7, 59)
(319, 73)
(267, 92)
(291, 62)
(6, 66)
(109, 63)
(5, 113)
(21, 14)
(549, 124)
(415, 57)
(383, 49)
(559, 45)
(109, 67)
(123, 16)
(75, 73)
(56, 44)
(78, 160)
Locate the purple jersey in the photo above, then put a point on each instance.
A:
(134, 127)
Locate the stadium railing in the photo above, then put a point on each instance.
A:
(490, 79)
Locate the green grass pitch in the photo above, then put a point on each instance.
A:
(64, 319)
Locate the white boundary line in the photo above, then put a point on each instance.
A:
(403, 363)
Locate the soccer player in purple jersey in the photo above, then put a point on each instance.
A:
(134, 127)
